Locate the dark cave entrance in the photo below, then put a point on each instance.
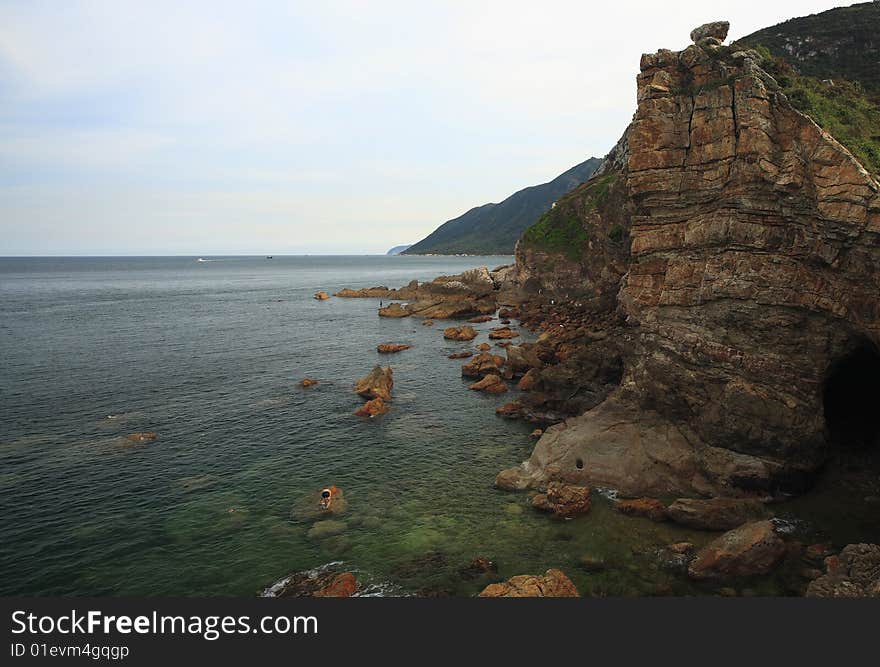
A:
(851, 398)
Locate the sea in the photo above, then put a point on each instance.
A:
(209, 355)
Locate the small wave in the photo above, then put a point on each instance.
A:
(788, 526)
(609, 494)
(272, 590)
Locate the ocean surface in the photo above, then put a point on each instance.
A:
(209, 356)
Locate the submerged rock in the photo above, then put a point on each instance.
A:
(308, 382)
(478, 567)
(649, 508)
(390, 348)
(327, 528)
(753, 548)
(321, 296)
(145, 436)
(554, 584)
(715, 513)
(563, 500)
(465, 354)
(460, 333)
(484, 347)
(377, 384)
(480, 318)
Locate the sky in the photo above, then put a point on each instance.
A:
(154, 128)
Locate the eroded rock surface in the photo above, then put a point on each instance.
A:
(854, 573)
(563, 500)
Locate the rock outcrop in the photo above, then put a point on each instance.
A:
(733, 249)
(554, 584)
(472, 294)
(854, 573)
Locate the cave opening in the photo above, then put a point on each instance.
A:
(851, 398)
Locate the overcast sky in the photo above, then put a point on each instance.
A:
(218, 127)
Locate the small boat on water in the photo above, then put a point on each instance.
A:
(200, 259)
(269, 257)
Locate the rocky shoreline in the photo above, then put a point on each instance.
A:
(708, 330)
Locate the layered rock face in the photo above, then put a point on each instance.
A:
(753, 275)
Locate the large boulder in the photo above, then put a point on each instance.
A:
(715, 30)
(715, 513)
(554, 584)
(563, 500)
(377, 384)
(854, 573)
(753, 548)
(483, 364)
(465, 332)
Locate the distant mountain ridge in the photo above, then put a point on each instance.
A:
(396, 250)
(495, 228)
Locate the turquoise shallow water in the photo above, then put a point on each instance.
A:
(209, 356)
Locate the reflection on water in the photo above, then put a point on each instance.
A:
(223, 502)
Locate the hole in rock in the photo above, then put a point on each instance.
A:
(851, 398)
(579, 464)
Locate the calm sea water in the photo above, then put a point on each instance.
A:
(209, 356)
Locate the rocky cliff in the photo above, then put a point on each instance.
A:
(738, 246)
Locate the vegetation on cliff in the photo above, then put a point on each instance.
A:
(568, 228)
(827, 66)
(840, 43)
